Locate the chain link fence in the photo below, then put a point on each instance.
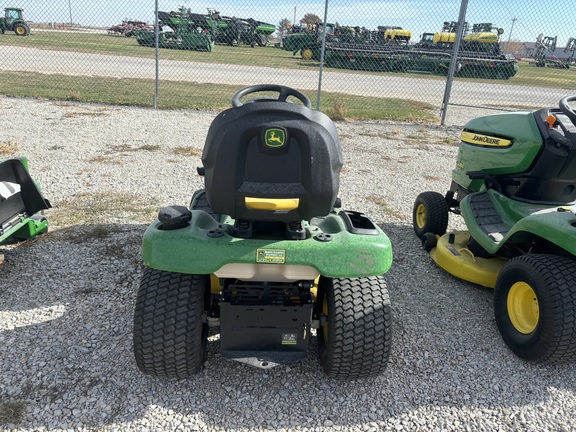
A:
(512, 54)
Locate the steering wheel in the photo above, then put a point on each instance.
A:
(283, 91)
(566, 109)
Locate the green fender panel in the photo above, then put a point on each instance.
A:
(525, 221)
(196, 249)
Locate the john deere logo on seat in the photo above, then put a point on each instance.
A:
(275, 137)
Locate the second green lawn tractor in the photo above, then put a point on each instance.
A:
(21, 203)
(265, 252)
(515, 186)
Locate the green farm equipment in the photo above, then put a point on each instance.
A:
(515, 187)
(20, 203)
(307, 40)
(13, 20)
(265, 253)
(236, 31)
(183, 31)
(388, 50)
(194, 31)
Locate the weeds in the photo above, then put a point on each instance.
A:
(338, 111)
(11, 412)
(187, 151)
(385, 208)
(102, 208)
(8, 148)
(74, 95)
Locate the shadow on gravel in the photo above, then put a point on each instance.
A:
(66, 305)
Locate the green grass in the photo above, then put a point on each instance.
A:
(531, 75)
(124, 46)
(187, 95)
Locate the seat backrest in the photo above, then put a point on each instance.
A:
(551, 179)
(271, 160)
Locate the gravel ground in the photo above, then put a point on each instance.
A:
(67, 298)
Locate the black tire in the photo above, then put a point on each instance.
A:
(430, 214)
(537, 325)
(21, 30)
(306, 53)
(429, 241)
(355, 340)
(169, 334)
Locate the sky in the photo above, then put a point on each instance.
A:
(526, 19)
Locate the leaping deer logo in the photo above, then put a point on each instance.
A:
(275, 137)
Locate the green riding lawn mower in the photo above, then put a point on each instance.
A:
(515, 187)
(265, 253)
(21, 203)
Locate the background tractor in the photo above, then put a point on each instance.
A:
(13, 20)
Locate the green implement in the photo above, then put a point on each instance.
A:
(20, 203)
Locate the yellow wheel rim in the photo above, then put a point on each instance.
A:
(307, 54)
(325, 313)
(20, 30)
(523, 308)
(420, 216)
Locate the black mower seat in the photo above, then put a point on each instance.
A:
(272, 160)
(551, 179)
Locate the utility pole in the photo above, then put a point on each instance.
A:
(294, 22)
(70, 10)
(510, 34)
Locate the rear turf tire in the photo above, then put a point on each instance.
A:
(355, 340)
(535, 307)
(169, 334)
(430, 214)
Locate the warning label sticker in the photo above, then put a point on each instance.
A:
(289, 338)
(271, 256)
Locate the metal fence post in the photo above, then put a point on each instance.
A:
(156, 37)
(453, 60)
(322, 48)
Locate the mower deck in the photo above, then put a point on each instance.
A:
(452, 254)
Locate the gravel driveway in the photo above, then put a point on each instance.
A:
(67, 298)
